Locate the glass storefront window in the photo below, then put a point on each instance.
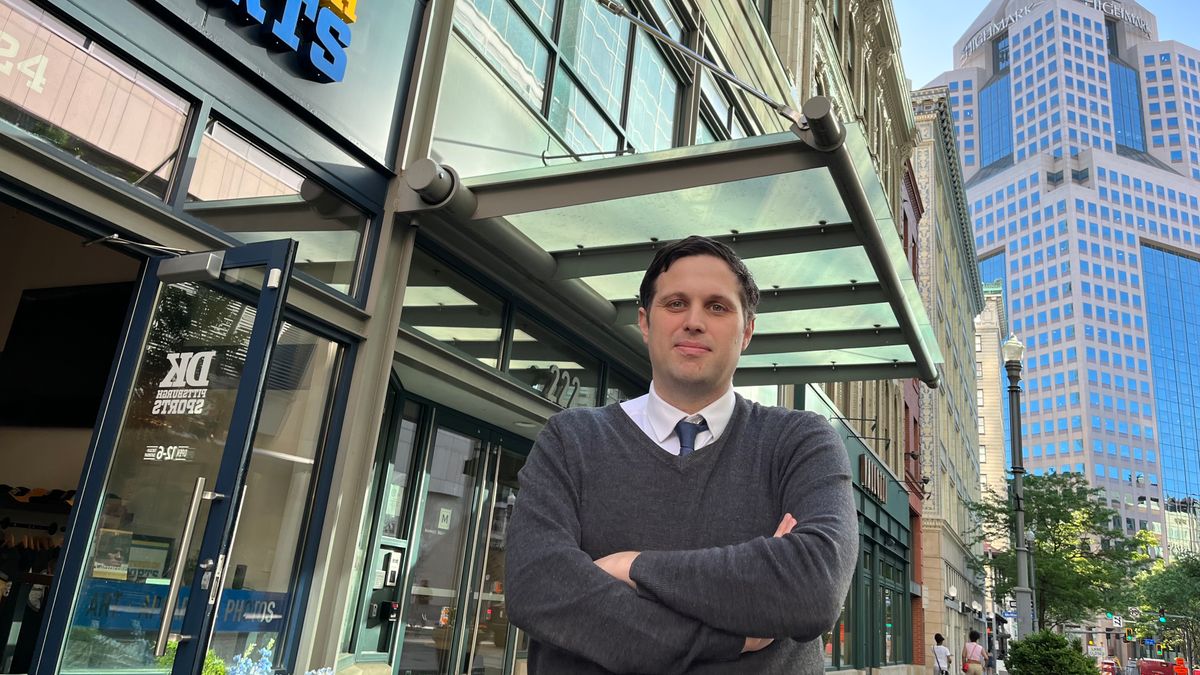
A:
(761, 394)
(246, 192)
(63, 88)
(889, 626)
(355, 580)
(445, 306)
(845, 632)
(284, 457)
(620, 388)
(560, 371)
(393, 515)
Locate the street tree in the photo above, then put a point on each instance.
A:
(1173, 589)
(1083, 562)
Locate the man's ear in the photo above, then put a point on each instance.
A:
(644, 324)
(747, 332)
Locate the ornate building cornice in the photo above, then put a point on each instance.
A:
(931, 103)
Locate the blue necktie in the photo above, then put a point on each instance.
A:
(687, 431)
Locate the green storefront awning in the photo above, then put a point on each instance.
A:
(804, 208)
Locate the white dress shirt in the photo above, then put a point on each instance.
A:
(657, 418)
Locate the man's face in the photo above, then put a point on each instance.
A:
(694, 327)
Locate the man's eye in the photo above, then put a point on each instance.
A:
(675, 304)
(718, 307)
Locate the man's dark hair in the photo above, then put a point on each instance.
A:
(974, 635)
(697, 245)
(937, 637)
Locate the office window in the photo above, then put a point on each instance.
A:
(1171, 283)
(1127, 106)
(996, 133)
(595, 85)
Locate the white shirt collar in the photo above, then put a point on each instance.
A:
(663, 416)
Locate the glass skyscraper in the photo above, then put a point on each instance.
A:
(1077, 129)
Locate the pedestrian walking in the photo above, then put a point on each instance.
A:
(688, 530)
(973, 655)
(941, 656)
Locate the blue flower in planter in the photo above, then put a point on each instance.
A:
(244, 665)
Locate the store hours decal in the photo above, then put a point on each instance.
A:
(184, 391)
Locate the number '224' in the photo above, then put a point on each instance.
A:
(33, 67)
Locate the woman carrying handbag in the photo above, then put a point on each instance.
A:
(973, 655)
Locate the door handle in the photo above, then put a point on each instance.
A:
(189, 525)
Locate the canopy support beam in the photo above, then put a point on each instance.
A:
(587, 262)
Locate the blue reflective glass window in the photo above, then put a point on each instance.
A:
(995, 109)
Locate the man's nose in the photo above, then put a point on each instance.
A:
(694, 320)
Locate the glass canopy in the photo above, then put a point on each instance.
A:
(839, 301)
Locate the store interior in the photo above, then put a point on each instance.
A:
(62, 308)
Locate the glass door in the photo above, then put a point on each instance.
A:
(147, 553)
(447, 518)
(491, 643)
(452, 616)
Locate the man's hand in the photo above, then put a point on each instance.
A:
(618, 564)
(786, 525)
(755, 644)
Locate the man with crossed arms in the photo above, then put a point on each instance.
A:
(688, 530)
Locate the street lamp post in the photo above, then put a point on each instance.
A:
(1030, 538)
(1014, 353)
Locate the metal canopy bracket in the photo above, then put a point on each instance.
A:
(433, 187)
(803, 208)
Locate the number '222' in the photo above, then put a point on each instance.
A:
(33, 67)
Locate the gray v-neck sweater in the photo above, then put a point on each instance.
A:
(709, 573)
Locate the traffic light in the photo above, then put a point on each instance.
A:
(1108, 615)
(1129, 635)
(1162, 615)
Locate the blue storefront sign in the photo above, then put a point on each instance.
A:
(343, 64)
(136, 607)
(318, 32)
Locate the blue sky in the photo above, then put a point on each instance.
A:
(929, 28)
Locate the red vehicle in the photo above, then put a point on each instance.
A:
(1109, 667)
(1154, 667)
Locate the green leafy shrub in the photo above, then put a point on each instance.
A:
(1046, 652)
